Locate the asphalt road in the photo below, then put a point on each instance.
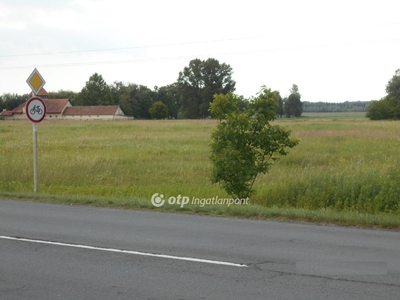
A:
(71, 252)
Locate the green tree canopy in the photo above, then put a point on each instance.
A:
(169, 95)
(279, 108)
(389, 106)
(140, 101)
(95, 92)
(135, 100)
(379, 110)
(245, 144)
(293, 105)
(121, 94)
(158, 111)
(11, 101)
(393, 86)
(63, 94)
(199, 82)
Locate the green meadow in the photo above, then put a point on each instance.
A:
(346, 169)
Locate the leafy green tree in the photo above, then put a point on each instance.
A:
(199, 82)
(135, 100)
(393, 86)
(158, 111)
(11, 101)
(393, 96)
(379, 110)
(118, 90)
(63, 94)
(293, 105)
(140, 101)
(389, 106)
(169, 95)
(95, 92)
(395, 108)
(244, 143)
(120, 94)
(279, 109)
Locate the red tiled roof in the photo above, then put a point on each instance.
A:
(42, 92)
(18, 109)
(90, 110)
(6, 113)
(55, 106)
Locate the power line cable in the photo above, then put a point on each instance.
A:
(153, 59)
(148, 46)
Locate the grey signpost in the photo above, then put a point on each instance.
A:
(35, 110)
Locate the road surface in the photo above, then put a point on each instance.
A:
(52, 251)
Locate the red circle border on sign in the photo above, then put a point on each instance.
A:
(28, 114)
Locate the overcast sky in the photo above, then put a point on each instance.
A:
(334, 51)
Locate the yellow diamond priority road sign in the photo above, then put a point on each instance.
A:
(35, 81)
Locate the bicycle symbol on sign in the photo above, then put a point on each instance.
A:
(36, 109)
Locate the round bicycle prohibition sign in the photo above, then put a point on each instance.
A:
(35, 109)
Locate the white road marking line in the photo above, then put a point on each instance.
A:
(207, 261)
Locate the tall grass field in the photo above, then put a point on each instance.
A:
(344, 163)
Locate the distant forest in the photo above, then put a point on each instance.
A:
(353, 106)
(187, 98)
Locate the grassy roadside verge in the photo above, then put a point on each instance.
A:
(252, 211)
(345, 170)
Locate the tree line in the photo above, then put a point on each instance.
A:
(347, 106)
(190, 96)
(187, 98)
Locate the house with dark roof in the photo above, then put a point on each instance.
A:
(58, 109)
(55, 109)
(15, 114)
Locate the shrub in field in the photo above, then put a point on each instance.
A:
(245, 144)
(379, 110)
(158, 111)
(389, 106)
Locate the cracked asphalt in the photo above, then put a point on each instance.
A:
(284, 260)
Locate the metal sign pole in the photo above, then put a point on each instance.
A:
(35, 158)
